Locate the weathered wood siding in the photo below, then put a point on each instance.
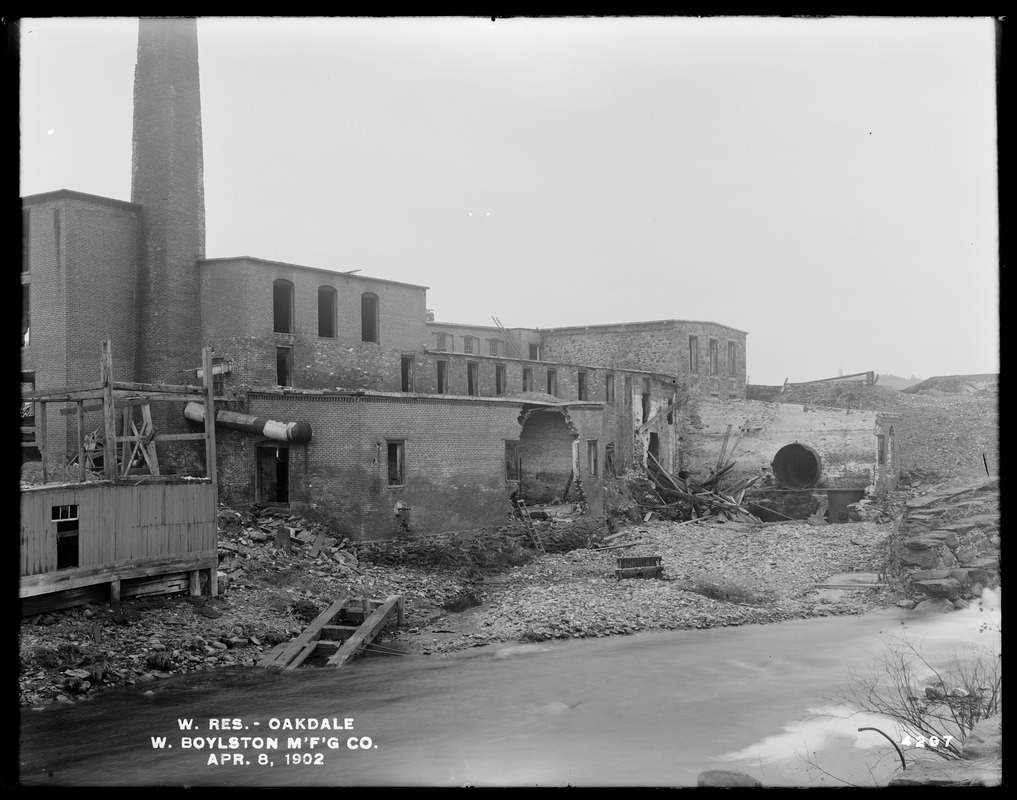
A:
(118, 523)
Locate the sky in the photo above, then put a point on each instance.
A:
(827, 185)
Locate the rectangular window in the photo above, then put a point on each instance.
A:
(472, 383)
(396, 464)
(512, 466)
(732, 360)
(609, 467)
(552, 382)
(407, 364)
(591, 457)
(26, 315)
(442, 377)
(66, 518)
(499, 379)
(693, 354)
(583, 392)
(326, 312)
(609, 388)
(370, 318)
(628, 391)
(442, 342)
(714, 356)
(494, 346)
(27, 407)
(534, 352)
(527, 379)
(282, 306)
(284, 366)
(467, 344)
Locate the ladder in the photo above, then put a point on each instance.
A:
(524, 513)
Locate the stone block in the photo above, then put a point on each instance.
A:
(935, 605)
(942, 587)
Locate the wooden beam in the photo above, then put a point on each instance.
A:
(114, 593)
(148, 427)
(680, 402)
(44, 583)
(208, 379)
(109, 448)
(54, 393)
(166, 388)
(370, 628)
(117, 403)
(723, 450)
(81, 439)
(281, 656)
(178, 437)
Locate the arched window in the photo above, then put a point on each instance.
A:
(326, 312)
(282, 306)
(369, 317)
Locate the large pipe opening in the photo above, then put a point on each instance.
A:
(797, 466)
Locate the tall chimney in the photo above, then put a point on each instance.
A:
(167, 182)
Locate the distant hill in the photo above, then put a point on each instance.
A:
(958, 384)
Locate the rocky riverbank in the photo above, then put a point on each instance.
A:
(715, 574)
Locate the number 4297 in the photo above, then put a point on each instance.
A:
(922, 741)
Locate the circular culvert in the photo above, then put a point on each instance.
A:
(797, 466)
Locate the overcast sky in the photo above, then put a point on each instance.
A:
(828, 186)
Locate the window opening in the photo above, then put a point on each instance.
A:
(693, 354)
(442, 343)
(494, 346)
(609, 388)
(499, 379)
(326, 312)
(407, 373)
(369, 325)
(714, 356)
(591, 457)
(646, 399)
(396, 464)
(442, 377)
(282, 306)
(284, 366)
(472, 372)
(628, 391)
(552, 382)
(609, 467)
(527, 379)
(583, 386)
(534, 352)
(273, 474)
(66, 518)
(732, 361)
(467, 344)
(513, 467)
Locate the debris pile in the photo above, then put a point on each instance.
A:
(676, 497)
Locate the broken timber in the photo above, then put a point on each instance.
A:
(329, 636)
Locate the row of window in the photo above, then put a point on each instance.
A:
(732, 352)
(444, 342)
(283, 312)
(396, 460)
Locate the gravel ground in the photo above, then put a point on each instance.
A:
(714, 575)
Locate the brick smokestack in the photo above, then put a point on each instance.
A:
(167, 182)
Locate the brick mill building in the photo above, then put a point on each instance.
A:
(416, 425)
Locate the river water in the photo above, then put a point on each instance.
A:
(653, 709)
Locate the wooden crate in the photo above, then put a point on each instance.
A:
(625, 562)
(639, 567)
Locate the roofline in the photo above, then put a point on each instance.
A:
(641, 324)
(493, 328)
(348, 274)
(70, 194)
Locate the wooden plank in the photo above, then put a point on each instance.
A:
(55, 394)
(723, 450)
(147, 426)
(316, 547)
(148, 389)
(302, 656)
(291, 650)
(370, 628)
(114, 594)
(125, 402)
(79, 408)
(178, 437)
(676, 404)
(337, 633)
(109, 460)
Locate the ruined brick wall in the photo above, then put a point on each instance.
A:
(844, 438)
(237, 307)
(82, 258)
(661, 347)
(454, 460)
(481, 335)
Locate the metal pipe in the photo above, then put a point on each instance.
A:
(283, 431)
